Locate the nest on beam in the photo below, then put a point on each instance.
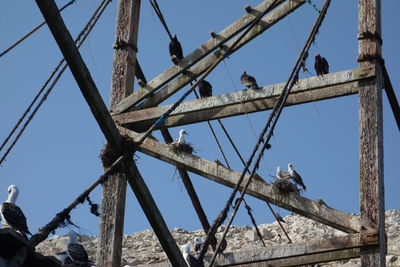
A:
(284, 187)
(179, 148)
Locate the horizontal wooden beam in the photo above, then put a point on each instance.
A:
(162, 79)
(258, 188)
(191, 59)
(315, 251)
(247, 101)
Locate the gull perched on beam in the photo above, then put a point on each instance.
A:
(296, 177)
(75, 252)
(281, 174)
(11, 215)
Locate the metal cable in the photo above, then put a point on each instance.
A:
(83, 34)
(33, 30)
(271, 123)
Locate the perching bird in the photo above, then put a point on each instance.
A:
(175, 48)
(248, 81)
(296, 177)
(181, 139)
(321, 65)
(198, 242)
(281, 174)
(205, 89)
(11, 215)
(191, 261)
(75, 252)
(280, 218)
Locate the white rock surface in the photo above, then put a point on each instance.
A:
(143, 248)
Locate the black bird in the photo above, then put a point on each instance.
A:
(205, 89)
(295, 176)
(11, 215)
(321, 65)
(175, 48)
(248, 81)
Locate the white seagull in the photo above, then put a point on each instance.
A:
(181, 139)
(11, 215)
(296, 177)
(75, 252)
(191, 261)
(281, 174)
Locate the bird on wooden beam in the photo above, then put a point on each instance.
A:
(205, 89)
(248, 81)
(11, 215)
(321, 65)
(295, 176)
(191, 261)
(181, 139)
(75, 253)
(281, 174)
(175, 50)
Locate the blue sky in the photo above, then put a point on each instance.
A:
(57, 156)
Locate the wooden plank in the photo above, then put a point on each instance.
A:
(372, 204)
(247, 101)
(109, 248)
(195, 56)
(323, 250)
(202, 66)
(82, 76)
(258, 188)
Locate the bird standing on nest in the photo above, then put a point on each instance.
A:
(281, 174)
(75, 252)
(296, 177)
(11, 215)
(181, 139)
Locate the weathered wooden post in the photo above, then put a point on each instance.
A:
(372, 205)
(122, 81)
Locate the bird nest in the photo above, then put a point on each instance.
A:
(284, 187)
(179, 148)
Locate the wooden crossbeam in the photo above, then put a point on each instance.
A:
(315, 251)
(89, 90)
(258, 188)
(161, 80)
(247, 101)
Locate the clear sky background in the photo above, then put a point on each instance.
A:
(57, 156)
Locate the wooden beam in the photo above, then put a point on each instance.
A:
(258, 188)
(315, 251)
(372, 198)
(201, 67)
(191, 59)
(88, 88)
(391, 95)
(109, 247)
(247, 101)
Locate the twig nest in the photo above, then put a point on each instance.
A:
(179, 148)
(284, 187)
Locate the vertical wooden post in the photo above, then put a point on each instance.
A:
(372, 206)
(122, 81)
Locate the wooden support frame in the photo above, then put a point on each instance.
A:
(88, 88)
(248, 101)
(372, 201)
(258, 188)
(171, 88)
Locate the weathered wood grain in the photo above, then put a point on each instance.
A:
(372, 202)
(258, 188)
(201, 67)
(247, 101)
